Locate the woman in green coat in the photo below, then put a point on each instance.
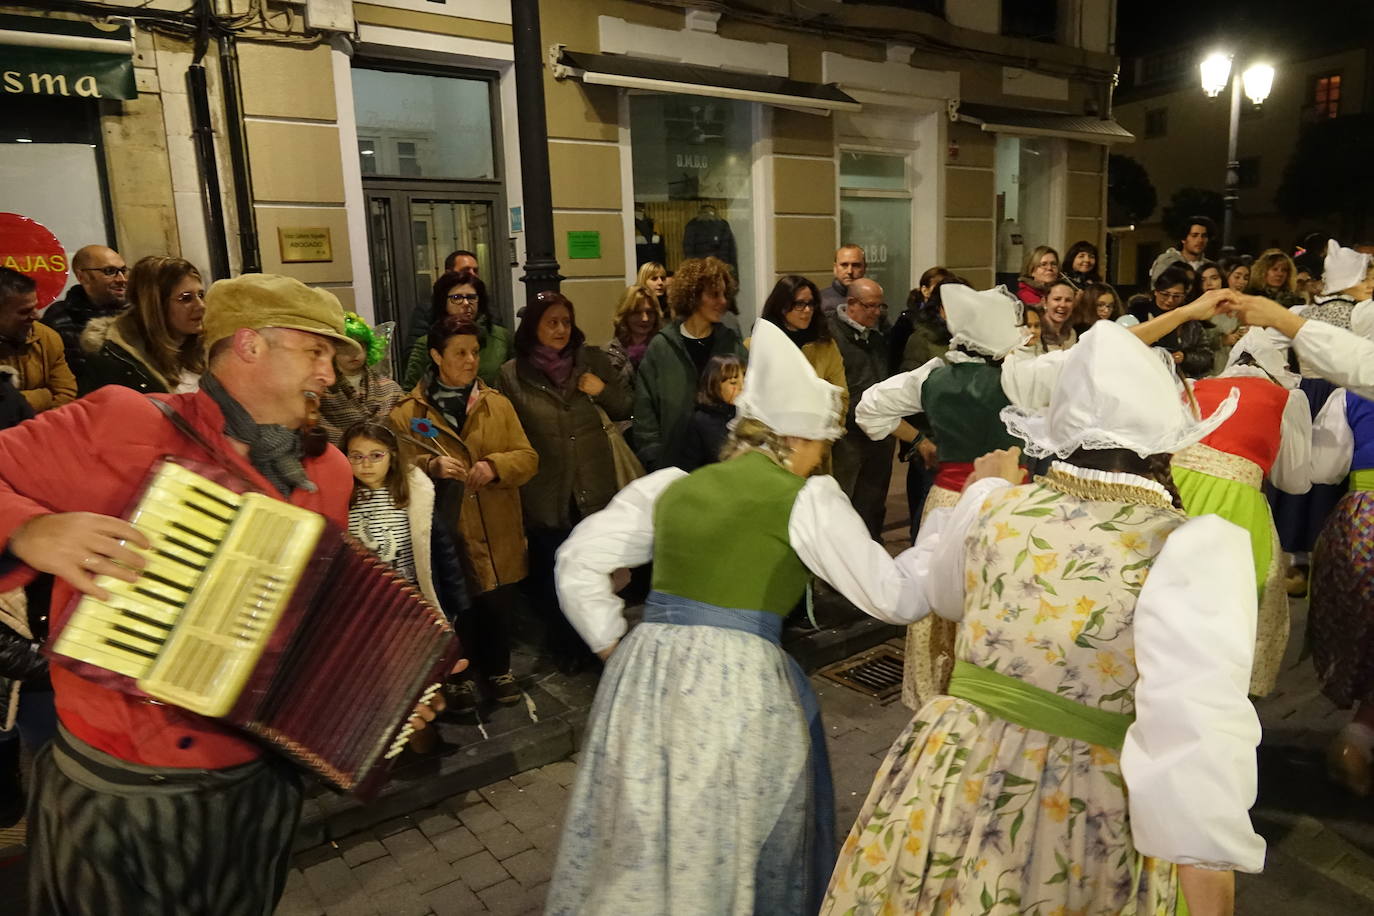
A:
(463, 294)
(666, 385)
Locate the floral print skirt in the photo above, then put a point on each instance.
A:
(970, 814)
(1340, 625)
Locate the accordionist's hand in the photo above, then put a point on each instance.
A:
(78, 546)
(425, 713)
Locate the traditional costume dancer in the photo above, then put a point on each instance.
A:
(1341, 618)
(703, 785)
(961, 395)
(1096, 751)
(1269, 436)
(1347, 282)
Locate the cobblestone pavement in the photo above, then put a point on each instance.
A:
(492, 851)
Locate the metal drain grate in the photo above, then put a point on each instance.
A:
(876, 673)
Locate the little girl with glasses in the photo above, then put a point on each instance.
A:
(394, 512)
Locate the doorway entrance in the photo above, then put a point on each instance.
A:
(430, 156)
(411, 230)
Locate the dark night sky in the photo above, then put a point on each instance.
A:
(1150, 25)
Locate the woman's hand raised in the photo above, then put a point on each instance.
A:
(1004, 463)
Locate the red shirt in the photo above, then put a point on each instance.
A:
(1254, 430)
(94, 455)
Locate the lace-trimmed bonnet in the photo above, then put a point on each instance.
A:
(783, 392)
(983, 321)
(1343, 267)
(1264, 347)
(1113, 392)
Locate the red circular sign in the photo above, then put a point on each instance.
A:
(28, 247)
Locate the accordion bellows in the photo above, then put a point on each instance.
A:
(265, 615)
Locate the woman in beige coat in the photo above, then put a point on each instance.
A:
(453, 426)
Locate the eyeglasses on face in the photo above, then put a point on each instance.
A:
(369, 458)
(107, 271)
(1170, 297)
(462, 297)
(804, 304)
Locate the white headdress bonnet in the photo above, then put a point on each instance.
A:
(1343, 267)
(783, 392)
(1113, 392)
(984, 321)
(1264, 347)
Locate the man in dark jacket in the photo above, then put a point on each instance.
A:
(103, 291)
(850, 264)
(863, 467)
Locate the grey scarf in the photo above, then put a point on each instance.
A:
(273, 450)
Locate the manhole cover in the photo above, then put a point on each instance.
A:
(876, 673)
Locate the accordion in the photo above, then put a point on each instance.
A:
(263, 614)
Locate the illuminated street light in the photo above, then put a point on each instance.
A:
(1216, 71)
(1257, 81)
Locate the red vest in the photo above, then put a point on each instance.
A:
(1253, 431)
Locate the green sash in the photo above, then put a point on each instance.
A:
(1031, 707)
(1362, 479)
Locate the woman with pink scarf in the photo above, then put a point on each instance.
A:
(566, 394)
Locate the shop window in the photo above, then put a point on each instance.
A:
(1156, 123)
(1024, 175)
(1249, 171)
(52, 169)
(693, 190)
(416, 125)
(875, 214)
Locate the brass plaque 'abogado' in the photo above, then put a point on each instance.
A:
(303, 244)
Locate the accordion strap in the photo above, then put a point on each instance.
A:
(184, 427)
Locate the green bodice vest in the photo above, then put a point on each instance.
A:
(720, 536)
(963, 402)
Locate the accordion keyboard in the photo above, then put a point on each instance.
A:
(220, 572)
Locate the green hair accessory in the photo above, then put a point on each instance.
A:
(374, 345)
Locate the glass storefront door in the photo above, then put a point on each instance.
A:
(410, 234)
(875, 214)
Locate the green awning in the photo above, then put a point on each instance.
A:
(66, 58)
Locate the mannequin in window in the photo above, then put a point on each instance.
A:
(708, 235)
(649, 246)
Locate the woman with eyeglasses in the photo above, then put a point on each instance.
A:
(462, 293)
(565, 394)
(1040, 270)
(1188, 342)
(155, 346)
(794, 306)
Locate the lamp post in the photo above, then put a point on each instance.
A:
(1256, 82)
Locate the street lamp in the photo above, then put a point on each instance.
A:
(1256, 82)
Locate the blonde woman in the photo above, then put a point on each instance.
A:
(637, 320)
(654, 277)
(1273, 276)
(155, 346)
(1040, 270)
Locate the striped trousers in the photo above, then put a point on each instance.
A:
(117, 839)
